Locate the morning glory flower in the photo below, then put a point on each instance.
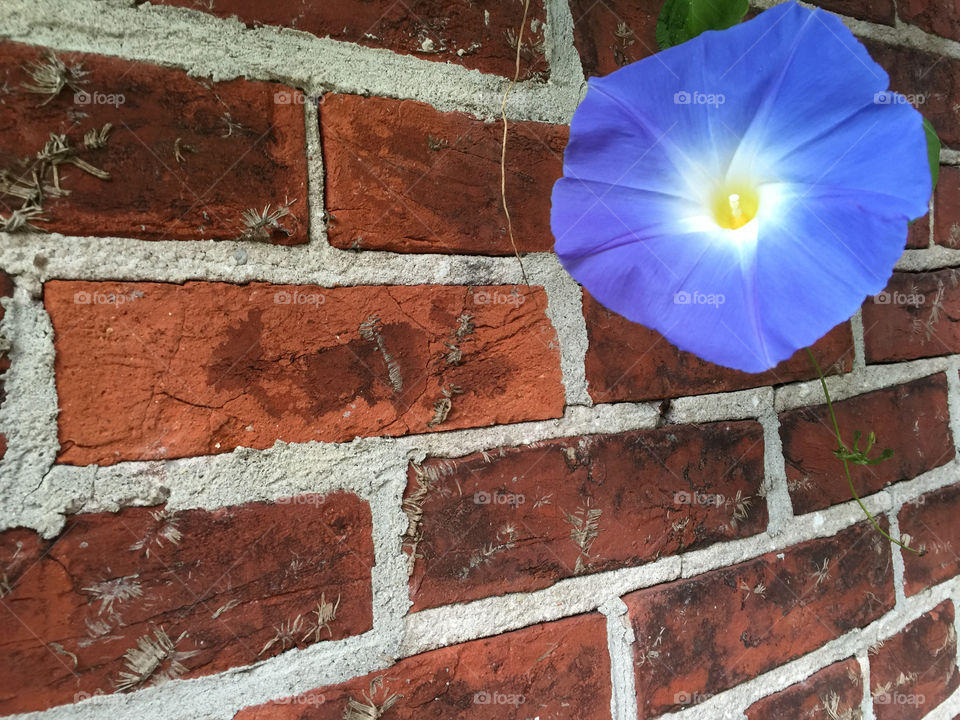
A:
(742, 193)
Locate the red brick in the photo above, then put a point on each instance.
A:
(915, 317)
(699, 636)
(911, 419)
(932, 80)
(461, 32)
(553, 671)
(629, 362)
(504, 520)
(177, 370)
(223, 172)
(832, 693)
(878, 11)
(231, 579)
(915, 670)
(613, 33)
(918, 234)
(935, 16)
(399, 175)
(6, 290)
(931, 523)
(946, 217)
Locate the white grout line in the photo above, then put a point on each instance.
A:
(896, 553)
(779, 504)
(623, 695)
(859, 351)
(866, 704)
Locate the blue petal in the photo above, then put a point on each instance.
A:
(799, 117)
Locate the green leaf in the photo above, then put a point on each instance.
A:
(933, 151)
(682, 20)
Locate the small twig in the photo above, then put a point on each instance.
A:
(503, 148)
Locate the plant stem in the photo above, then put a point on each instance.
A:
(846, 464)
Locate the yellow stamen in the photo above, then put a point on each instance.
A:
(734, 205)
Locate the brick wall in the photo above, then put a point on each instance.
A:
(283, 435)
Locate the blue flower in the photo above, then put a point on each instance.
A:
(744, 192)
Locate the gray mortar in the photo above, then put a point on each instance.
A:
(859, 348)
(28, 418)
(898, 564)
(620, 637)
(866, 703)
(451, 624)
(779, 505)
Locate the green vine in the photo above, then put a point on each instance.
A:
(856, 456)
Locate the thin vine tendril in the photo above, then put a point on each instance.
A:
(844, 453)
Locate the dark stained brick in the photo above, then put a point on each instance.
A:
(519, 519)
(629, 362)
(553, 671)
(699, 636)
(911, 419)
(226, 588)
(915, 670)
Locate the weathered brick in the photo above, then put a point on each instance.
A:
(931, 81)
(226, 588)
(478, 35)
(916, 316)
(915, 670)
(699, 636)
(186, 158)
(6, 290)
(912, 419)
(918, 234)
(613, 33)
(399, 175)
(519, 519)
(153, 370)
(946, 218)
(940, 18)
(832, 693)
(878, 11)
(931, 523)
(553, 671)
(629, 362)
